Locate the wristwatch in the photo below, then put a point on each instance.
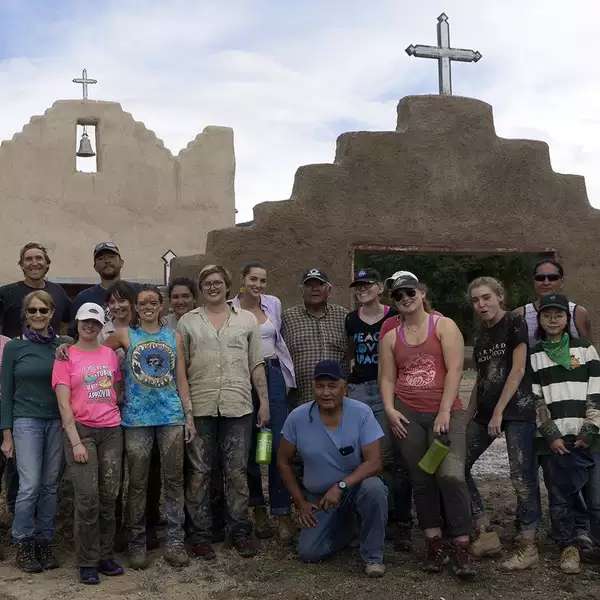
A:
(342, 485)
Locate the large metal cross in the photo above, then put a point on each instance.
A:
(444, 54)
(84, 82)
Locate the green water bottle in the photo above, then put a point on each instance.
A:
(264, 446)
(435, 455)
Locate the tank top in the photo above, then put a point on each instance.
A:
(421, 371)
(268, 335)
(531, 319)
(151, 397)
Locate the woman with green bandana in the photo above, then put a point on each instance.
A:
(566, 382)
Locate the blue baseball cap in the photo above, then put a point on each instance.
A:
(330, 369)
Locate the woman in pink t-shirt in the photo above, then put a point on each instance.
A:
(86, 388)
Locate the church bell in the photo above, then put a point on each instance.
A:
(85, 146)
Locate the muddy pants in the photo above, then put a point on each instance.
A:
(229, 438)
(447, 485)
(96, 485)
(138, 444)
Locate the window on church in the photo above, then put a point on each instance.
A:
(86, 159)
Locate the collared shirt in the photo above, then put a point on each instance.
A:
(219, 363)
(311, 339)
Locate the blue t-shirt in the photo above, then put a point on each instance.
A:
(319, 447)
(151, 397)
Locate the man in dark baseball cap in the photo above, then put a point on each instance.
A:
(315, 274)
(109, 247)
(329, 369)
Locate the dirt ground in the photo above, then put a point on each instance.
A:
(277, 573)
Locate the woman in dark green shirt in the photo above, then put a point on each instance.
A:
(30, 420)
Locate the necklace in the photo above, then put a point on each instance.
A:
(415, 328)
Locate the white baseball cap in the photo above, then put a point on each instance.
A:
(90, 310)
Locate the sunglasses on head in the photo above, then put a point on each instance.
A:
(42, 311)
(547, 277)
(400, 293)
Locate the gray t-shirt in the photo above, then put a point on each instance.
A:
(319, 447)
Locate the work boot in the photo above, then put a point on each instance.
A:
(176, 556)
(461, 564)
(245, 545)
(286, 530)
(526, 556)
(403, 537)
(26, 559)
(262, 525)
(374, 569)
(138, 558)
(570, 561)
(487, 543)
(45, 556)
(110, 567)
(436, 555)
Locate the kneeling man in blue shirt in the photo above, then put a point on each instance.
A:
(338, 440)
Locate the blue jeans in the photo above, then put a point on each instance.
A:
(279, 497)
(395, 473)
(523, 463)
(39, 451)
(335, 527)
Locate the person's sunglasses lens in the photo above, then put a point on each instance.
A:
(409, 293)
(42, 311)
(550, 277)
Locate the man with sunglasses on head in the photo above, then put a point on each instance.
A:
(548, 278)
(339, 441)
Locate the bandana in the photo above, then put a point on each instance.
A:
(559, 352)
(39, 338)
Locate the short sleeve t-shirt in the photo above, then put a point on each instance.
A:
(365, 340)
(319, 447)
(11, 302)
(492, 355)
(91, 375)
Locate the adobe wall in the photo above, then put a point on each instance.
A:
(443, 181)
(142, 197)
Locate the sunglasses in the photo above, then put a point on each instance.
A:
(549, 277)
(400, 293)
(42, 311)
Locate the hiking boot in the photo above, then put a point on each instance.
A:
(176, 556)
(525, 557)
(204, 551)
(374, 569)
(262, 525)
(245, 546)
(110, 567)
(286, 530)
(461, 564)
(89, 575)
(138, 558)
(570, 561)
(45, 556)
(26, 559)
(487, 543)
(436, 555)
(403, 537)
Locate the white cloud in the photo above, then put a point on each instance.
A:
(290, 77)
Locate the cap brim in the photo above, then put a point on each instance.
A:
(327, 376)
(357, 281)
(559, 306)
(321, 279)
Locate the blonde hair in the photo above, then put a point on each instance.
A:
(490, 282)
(40, 295)
(211, 270)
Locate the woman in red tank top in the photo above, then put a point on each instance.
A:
(420, 367)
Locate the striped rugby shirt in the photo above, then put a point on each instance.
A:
(567, 401)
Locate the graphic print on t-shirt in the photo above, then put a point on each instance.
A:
(366, 347)
(419, 371)
(152, 364)
(98, 382)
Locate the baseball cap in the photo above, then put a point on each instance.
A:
(315, 274)
(366, 276)
(90, 310)
(554, 301)
(402, 279)
(331, 369)
(106, 246)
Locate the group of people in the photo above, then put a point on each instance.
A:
(354, 400)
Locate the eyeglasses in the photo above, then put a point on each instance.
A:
(547, 277)
(209, 285)
(400, 293)
(34, 311)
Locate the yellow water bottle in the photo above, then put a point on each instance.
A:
(264, 446)
(434, 456)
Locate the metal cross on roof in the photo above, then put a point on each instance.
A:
(84, 82)
(444, 54)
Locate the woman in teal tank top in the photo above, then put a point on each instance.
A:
(153, 410)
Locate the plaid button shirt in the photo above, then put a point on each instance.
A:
(311, 339)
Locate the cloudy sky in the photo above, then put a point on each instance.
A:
(290, 76)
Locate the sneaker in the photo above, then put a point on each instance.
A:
(138, 558)
(45, 556)
(286, 529)
(262, 526)
(204, 551)
(436, 555)
(110, 567)
(26, 559)
(374, 569)
(526, 556)
(403, 537)
(176, 556)
(461, 564)
(570, 561)
(89, 575)
(245, 546)
(487, 543)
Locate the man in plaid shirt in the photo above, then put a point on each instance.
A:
(314, 331)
